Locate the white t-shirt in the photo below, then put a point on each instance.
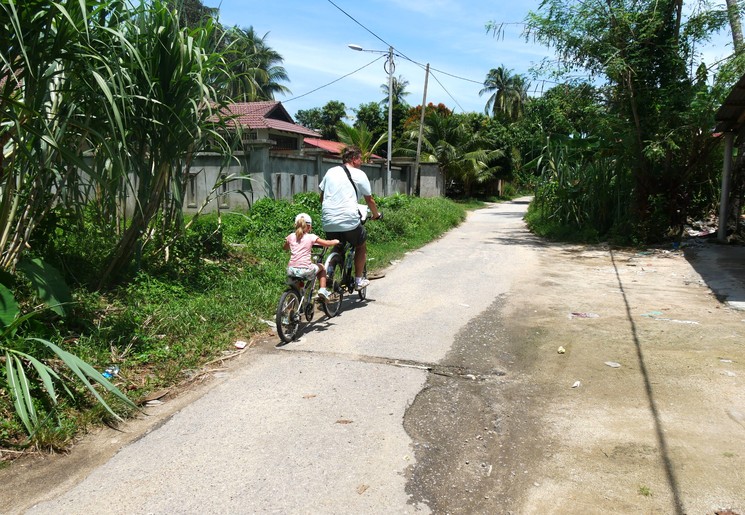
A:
(339, 212)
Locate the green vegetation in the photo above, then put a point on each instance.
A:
(222, 282)
(628, 158)
(631, 159)
(360, 137)
(620, 145)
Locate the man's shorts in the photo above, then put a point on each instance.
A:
(355, 237)
(305, 273)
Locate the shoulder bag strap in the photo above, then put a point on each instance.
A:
(356, 195)
(349, 176)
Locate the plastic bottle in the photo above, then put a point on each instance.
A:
(111, 371)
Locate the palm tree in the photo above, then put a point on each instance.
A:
(508, 93)
(519, 97)
(361, 137)
(462, 154)
(497, 83)
(399, 85)
(255, 67)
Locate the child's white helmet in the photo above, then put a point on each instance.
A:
(304, 216)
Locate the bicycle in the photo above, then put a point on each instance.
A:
(297, 301)
(342, 259)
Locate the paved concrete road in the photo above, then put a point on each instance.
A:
(316, 426)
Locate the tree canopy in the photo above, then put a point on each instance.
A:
(323, 120)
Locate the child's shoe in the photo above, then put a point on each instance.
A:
(323, 294)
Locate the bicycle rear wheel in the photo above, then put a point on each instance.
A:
(288, 315)
(334, 271)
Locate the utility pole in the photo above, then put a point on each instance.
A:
(412, 184)
(390, 68)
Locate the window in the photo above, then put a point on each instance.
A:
(305, 184)
(292, 185)
(284, 142)
(249, 136)
(278, 187)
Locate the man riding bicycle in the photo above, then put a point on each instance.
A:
(341, 188)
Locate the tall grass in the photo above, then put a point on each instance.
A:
(578, 195)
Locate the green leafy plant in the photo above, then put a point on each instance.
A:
(27, 375)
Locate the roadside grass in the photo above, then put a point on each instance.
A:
(221, 284)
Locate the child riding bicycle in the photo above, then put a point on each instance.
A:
(300, 243)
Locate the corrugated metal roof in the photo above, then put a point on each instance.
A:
(265, 115)
(731, 115)
(333, 147)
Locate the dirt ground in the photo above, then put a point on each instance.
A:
(623, 392)
(633, 370)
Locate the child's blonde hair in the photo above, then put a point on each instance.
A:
(300, 227)
(302, 221)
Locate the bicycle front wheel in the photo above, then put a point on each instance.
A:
(335, 272)
(288, 315)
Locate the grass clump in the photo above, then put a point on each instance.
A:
(645, 491)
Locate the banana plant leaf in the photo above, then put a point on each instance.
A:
(48, 282)
(20, 385)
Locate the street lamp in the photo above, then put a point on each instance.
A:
(389, 67)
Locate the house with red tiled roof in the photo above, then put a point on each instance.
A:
(268, 121)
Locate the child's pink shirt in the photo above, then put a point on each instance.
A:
(300, 250)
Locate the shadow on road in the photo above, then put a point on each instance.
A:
(659, 430)
(321, 322)
(722, 267)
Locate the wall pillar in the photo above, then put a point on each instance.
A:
(729, 139)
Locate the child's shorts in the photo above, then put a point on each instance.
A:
(303, 272)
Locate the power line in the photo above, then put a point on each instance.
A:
(335, 80)
(496, 27)
(368, 30)
(446, 91)
(480, 83)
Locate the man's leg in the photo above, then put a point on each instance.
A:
(360, 256)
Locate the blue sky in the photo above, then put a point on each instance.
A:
(312, 37)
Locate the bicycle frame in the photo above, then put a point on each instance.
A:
(340, 277)
(343, 254)
(297, 300)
